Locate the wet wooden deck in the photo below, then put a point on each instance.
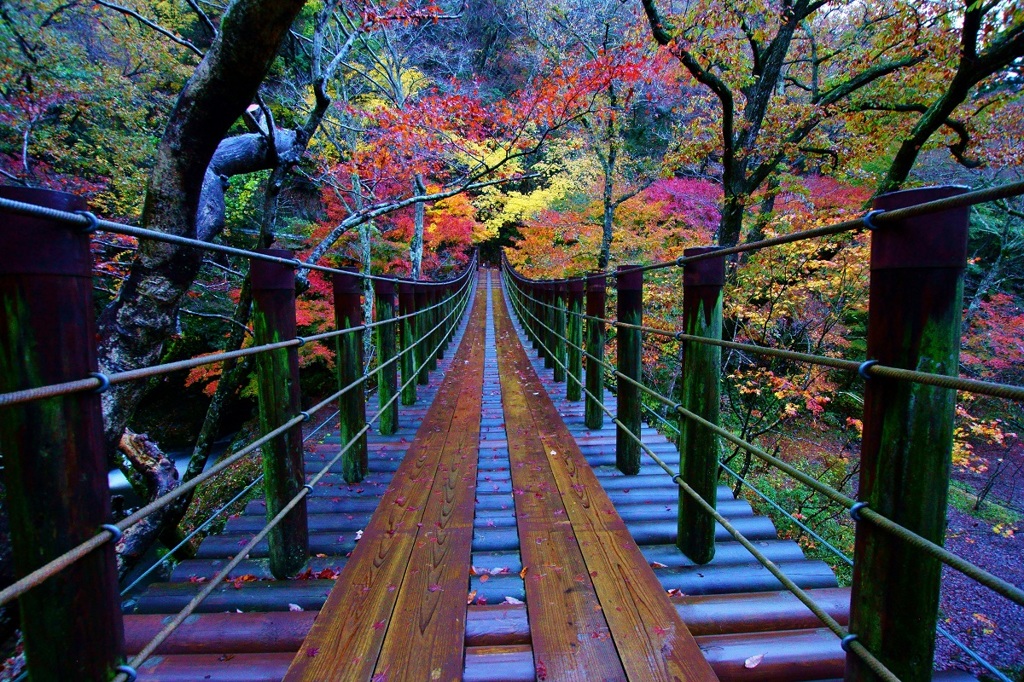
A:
(498, 543)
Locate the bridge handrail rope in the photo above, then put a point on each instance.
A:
(221, 575)
(90, 223)
(100, 382)
(58, 564)
(870, 221)
(429, 317)
(800, 594)
(545, 313)
(993, 582)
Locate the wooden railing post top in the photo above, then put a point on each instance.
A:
(629, 277)
(267, 275)
(576, 286)
(596, 281)
(934, 240)
(561, 288)
(704, 272)
(384, 288)
(37, 246)
(406, 289)
(347, 282)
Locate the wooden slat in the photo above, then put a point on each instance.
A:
(651, 639)
(347, 637)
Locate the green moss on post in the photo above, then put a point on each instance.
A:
(348, 313)
(422, 332)
(277, 378)
(700, 393)
(434, 345)
(559, 297)
(916, 298)
(53, 449)
(387, 378)
(574, 380)
(407, 333)
(630, 282)
(593, 405)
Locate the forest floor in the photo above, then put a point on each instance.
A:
(992, 538)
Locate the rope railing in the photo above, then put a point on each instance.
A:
(872, 220)
(90, 223)
(100, 382)
(544, 306)
(222, 574)
(865, 368)
(427, 320)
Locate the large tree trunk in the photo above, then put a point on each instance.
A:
(135, 325)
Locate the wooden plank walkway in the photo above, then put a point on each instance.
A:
(492, 479)
(398, 610)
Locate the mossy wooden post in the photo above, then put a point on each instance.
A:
(700, 393)
(423, 326)
(630, 285)
(560, 295)
(537, 293)
(548, 330)
(387, 378)
(348, 313)
(407, 333)
(446, 309)
(574, 380)
(593, 412)
(434, 344)
(914, 311)
(55, 464)
(277, 378)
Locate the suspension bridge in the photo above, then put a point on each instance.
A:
(490, 512)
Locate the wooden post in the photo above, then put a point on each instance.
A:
(915, 304)
(277, 377)
(538, 319)
(593, 413)
(558, 299)
(433, 345)
(422, 333)
(630, 311)
(407, 332)
(700, 393)
(55, 464)
(533, 305)
(548, 316)
(387, 378)
(449, 305)
(348, 313)
(574, 385)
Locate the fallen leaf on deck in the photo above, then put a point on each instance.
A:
(753, 661)
(512, 600)
(471, 597)
(294, 607)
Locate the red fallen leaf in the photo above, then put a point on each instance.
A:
(485, 577)
(481, 601)
(660, 631)
(658, 564)
(196, 579)
(542, 670)
(471, 597)
(378, 625)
